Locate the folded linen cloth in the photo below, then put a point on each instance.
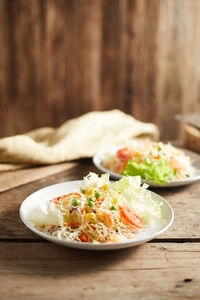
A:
(77, 138)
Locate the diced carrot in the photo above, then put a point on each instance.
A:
(156, 157)
(56, 201)
(100, 200)
(83, 237)
(108, 218)
(84, 212)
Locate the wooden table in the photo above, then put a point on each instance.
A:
(32, 268)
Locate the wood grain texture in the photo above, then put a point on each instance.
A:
(62, 58)
(185, 227)
(12, 179)
(151, 271)
(165, 268)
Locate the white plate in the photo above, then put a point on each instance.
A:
(41, 196)
(98, 159)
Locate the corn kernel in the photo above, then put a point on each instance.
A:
(91, 217)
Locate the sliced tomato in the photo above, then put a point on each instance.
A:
(124, 154)
(83, 237)
(131, 217)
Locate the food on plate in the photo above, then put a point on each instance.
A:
(153, 161)
(100, 212)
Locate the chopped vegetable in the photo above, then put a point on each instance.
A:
(74, 202)
(112, 207)
(160, 173)
(131, 217)
(90, 202)
(83, 237)
(97, 195)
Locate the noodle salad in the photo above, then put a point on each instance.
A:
(153, 161)
(100, 212)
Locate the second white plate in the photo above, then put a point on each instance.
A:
(99, 157)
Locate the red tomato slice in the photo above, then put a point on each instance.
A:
(131, 217)
(83, 237)
(124, 154)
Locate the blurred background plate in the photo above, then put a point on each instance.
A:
(98, 159)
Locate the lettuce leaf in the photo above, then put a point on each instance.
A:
(160, 172)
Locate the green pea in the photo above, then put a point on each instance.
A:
(97, 195)
(74, 202)
(112, 208)
(90, 203)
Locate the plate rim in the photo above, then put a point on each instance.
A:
(173, 183)
(90, 246)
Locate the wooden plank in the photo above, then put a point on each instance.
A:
(11, 179)
(113, 59)
(150, 271)
(184, 200)
(88, 56)
(4, 111)
(60, 59)
(142, 20)
(73, 57)
(25, 66)
(177, 60)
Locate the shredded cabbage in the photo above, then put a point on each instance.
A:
(101, 212)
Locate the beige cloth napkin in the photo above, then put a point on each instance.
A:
(76, 138)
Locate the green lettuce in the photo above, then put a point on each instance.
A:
(160, 171)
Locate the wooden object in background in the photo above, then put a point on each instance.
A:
(62, 58)
(191, 139)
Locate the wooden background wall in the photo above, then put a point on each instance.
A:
(62, 58)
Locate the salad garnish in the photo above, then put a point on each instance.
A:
(101, 212)
(153, 161)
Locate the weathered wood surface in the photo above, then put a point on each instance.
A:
(11, 179)
(184, 200)
(62, 58)
(151, 271)
(165, 268)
